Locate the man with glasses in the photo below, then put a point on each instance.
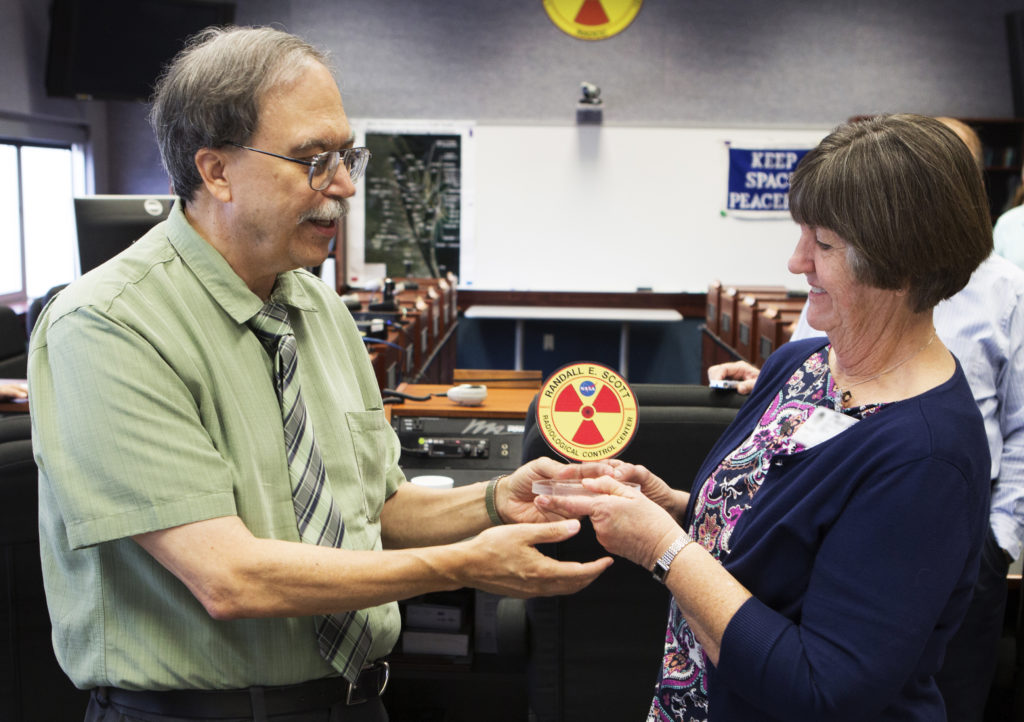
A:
(224, 526)
(324, 166)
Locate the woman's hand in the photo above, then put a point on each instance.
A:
(653, 487)
(742, 371)
(626, 522)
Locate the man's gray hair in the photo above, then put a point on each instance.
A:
(210, 94)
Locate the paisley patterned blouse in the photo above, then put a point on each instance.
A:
(682, 694)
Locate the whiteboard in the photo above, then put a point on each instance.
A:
(614, 209)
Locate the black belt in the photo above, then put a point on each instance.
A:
(308, 696)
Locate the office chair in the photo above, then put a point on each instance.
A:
(32, 685)
(38, 304)
(13, 345)
(595, 654)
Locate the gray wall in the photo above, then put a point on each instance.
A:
(25, 111)
(681, 62)
(716, 63)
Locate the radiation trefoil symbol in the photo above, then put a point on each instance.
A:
(592, 19)
(586, 412)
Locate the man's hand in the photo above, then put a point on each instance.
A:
(514, 495)
(503, 560)
(740, 370)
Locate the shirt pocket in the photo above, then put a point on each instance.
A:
(370, 434)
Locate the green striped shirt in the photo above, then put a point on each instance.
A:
(153, 405)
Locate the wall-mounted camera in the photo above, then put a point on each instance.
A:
(590, 106)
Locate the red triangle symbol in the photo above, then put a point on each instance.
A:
(607, 401)
(568, 400)
(588, 434)
(592, 13)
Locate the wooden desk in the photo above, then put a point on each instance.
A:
(500, 403)
(748, 314)
(432, 681)
(624, 316)
(500, 378)
(728, 303)
(714, 301)
(425, 336)
(775, 326)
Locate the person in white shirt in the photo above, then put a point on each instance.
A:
(1008, 235)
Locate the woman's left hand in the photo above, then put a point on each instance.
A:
(626, 522)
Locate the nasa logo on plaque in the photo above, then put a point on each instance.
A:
(592, 19)
(586, 412)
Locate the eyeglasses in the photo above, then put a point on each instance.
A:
(323, 166)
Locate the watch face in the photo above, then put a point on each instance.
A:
(661, 566)
(592, 19)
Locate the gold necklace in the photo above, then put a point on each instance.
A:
(846, 395)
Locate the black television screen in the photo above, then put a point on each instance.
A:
(115, 49)
(107, 225)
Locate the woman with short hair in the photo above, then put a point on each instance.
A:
(828, 547)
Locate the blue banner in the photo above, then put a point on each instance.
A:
(759, 179)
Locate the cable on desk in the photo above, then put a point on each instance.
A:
(403, 395)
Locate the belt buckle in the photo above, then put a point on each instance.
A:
(355, 695)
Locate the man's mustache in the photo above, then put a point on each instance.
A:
(332, 210)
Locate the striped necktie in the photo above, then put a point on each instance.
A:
(344, 639)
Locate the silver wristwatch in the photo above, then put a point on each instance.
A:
(660, 570)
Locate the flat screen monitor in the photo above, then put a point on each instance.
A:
(107, 225)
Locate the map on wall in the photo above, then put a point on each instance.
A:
(414, 200)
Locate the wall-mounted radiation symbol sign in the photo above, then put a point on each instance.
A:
(592, 19)
(586, 412)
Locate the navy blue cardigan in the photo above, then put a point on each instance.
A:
(861, 554)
